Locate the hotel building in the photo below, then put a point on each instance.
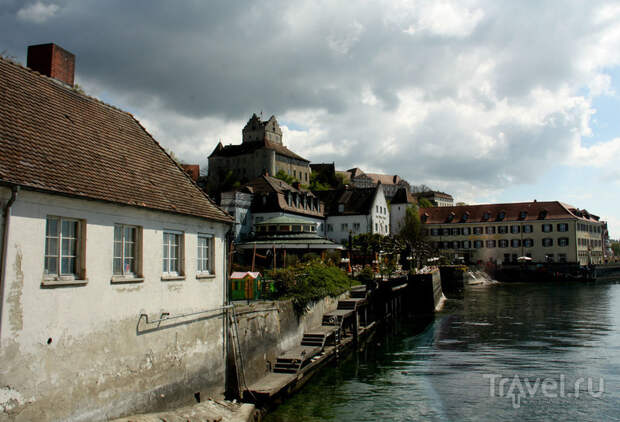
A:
(542, 231)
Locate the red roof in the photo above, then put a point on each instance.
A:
(518, 211)
(56, 139)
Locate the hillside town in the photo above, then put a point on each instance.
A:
(128, 277)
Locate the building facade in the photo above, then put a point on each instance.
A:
(401, 201)
(354, 211)
(542, 231)
(438, 199)
(104, 237)
(262, 150)
(391, 182)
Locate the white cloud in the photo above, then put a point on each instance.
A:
(37, 12)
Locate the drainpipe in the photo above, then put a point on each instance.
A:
(6, 214)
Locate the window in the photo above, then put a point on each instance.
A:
(515, 229)
(502, 229)
(466, 231)
(376, 227)
(477, 244)
(528, 243)
(549, 257)
(490, 230)
(173, 253)
(528, 228)
(344, 227)
(477, 230)
(562, 257)
(434, 232)
(547, 228)
(503, 243)
(63, 248)
(356, 227)
(562, 227)
(490, 243)
(501, 216)
(204, 260)
(506, 258)
(466, 244)
(563, 241)
(547, 241)
(515, 243)
(330, 227)
(126, 258)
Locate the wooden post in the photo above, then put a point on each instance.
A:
(284, 259)
(253, 257)
(274, 257)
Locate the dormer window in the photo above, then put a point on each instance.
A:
(501, 215)
(465, 217)
(450, 217)
(424, 217)
(542, 214)
(341, 208)
(522, 215)
(486, 216)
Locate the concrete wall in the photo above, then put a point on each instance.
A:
(81, 352)
(265, 332)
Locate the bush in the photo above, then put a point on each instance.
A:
(366, 275)
(309, 282)
(310, 256)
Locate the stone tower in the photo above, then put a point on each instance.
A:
(257, 131)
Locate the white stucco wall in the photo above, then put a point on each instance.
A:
(80, 352)
(380, 214)
(341, 236)
(397, 217)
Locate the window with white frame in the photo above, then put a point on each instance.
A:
(344, 227)
(204, 260)
(63, 248)
(126, 259)
(173, 253)
(563, 241)
(356, 227)
(562, 227)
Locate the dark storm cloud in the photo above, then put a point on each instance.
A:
(440, 90)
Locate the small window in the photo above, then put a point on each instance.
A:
(502, 229)
(434, 232)
(547, 242)
(297, 228)
(344, 227)
(477, 244)
(466, 244)
(501, 216)
(330, 227)
(356, 227)
(126, 245)
(563, 241)
(477, 230)
(562, 227)
(515, 243)
(491, 243)
(490, 230)
(486, 216)
(515, 229)
(522, 215)
(562, 257)
(341, 208)
(528, 228)
(503, 243)
(204, 259)
(547, 228)
(528, 243)
(64, 254)
(173, 253)
(466, 231)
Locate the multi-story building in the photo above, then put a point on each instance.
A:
(391, 182)
(353, 211)
(102, 233)
(402, 201)
(438, 199)
(542, 231)
(261, 151)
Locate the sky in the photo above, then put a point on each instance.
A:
(488, 100)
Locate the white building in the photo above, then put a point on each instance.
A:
(354, 211)
(398, 209)
(113, 263)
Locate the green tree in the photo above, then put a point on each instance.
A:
(317, 183)
(412, 234)
(615, 247)
(425, 203)
(281, 174)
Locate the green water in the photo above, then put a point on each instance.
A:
(500, 333)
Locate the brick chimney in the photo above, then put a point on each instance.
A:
(52, 60)
(193, 170)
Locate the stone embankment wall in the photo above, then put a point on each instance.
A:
(266, 329)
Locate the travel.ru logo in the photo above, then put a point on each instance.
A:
(516, 388)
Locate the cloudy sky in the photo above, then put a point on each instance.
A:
(489, 100)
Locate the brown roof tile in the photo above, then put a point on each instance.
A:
(56, 139)
(552, 210)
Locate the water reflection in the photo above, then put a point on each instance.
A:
(545, 331)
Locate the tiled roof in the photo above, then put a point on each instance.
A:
(491, 213)
(434, 193)
(250, 147)
(385, 179)
(403, 196)
(275, 190)
(58, 140)
(356, 201)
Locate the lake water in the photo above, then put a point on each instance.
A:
(525, 352)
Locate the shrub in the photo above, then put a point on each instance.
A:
(309, 282)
